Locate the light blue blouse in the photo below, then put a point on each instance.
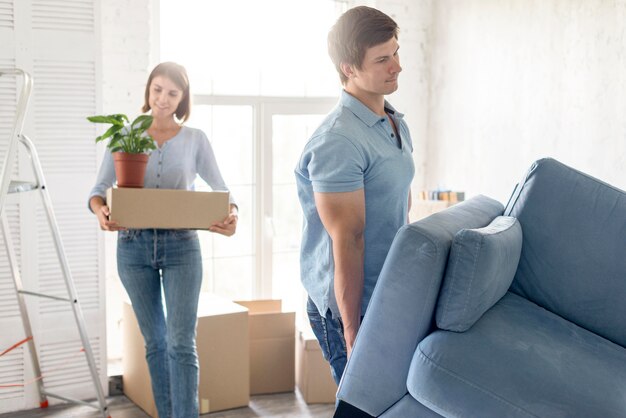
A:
(172, 166)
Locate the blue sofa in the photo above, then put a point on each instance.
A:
(551, 342)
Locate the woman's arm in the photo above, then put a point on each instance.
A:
(208, 169)
(101, 210)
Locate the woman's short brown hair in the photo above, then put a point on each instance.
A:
(178, 75)
(357, 30)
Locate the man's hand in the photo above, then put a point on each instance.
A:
(350, 336)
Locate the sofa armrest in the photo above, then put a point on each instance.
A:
(401, 311)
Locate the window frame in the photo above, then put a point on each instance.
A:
(263, 110)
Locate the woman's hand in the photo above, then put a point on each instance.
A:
(102, 213)
(229, 225)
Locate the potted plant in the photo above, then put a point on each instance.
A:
(130, 146)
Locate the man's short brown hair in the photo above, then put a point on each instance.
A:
(357, 30)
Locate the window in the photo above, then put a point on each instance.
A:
(289, 133)
(257, 141)
(230, 261)
(251, 47)
(261, 84)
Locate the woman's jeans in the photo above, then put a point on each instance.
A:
(147, 259)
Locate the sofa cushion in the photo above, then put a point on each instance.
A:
(520, 360)
(481, 267)
(573, 259)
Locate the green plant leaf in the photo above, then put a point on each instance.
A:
(125, 136)
(114, 141)
(142, 122)
(146, 143)
(120, 117)
(112, 119)
(111, 131)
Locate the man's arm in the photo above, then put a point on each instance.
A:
(343, 217)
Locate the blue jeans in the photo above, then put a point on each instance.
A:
(329, 333)
(146, 260)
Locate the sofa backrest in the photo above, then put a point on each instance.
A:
(401, 311)
(573, 260)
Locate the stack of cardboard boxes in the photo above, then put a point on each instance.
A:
(244, 348)
(223, 354)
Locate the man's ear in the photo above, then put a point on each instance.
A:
(347, 70)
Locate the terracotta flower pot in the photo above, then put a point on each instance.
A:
(130, 169)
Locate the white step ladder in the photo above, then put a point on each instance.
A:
(8, 186)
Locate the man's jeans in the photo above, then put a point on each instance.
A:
(329, 333)
(147, 259)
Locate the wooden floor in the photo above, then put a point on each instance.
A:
(282, 405)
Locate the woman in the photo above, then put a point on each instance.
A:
(150, 258)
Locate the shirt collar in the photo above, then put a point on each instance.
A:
(363, 112)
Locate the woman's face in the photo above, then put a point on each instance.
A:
(165, 96)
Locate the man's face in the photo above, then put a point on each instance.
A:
(379, 71)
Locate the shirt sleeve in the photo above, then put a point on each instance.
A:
(208, 169)
(334, 164)
(105, 179)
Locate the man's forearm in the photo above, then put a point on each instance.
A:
(348, 257)
(343, 216)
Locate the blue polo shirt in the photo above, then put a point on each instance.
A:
(354, 148)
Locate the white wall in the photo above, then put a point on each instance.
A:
(414, 19)
(127, 53)
(128, 31)
(516, 80)
(412, 97)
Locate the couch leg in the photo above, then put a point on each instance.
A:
(345, 410)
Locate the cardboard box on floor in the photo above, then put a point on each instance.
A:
(313, 376)
(272, 347)
(162, 208)
(223, 354)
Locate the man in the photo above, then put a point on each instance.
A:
(353, 181)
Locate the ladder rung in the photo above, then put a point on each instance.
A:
(22, 186)
(42, 295)
(73, 400)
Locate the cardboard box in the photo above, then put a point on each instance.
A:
(313, 376)
(272, 347)
(161, 208)
(223, 354)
